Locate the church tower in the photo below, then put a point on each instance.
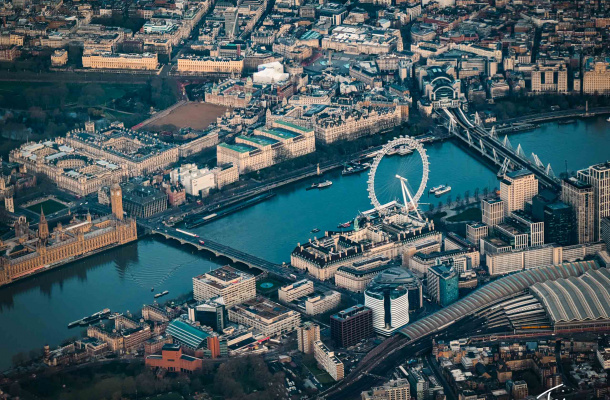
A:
(116, 201)
(43, 226)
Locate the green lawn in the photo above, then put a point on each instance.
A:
(471, 214)
(322, 376)
(48, 206)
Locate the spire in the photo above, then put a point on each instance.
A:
(43, 226)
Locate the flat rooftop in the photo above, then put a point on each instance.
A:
(521, 173)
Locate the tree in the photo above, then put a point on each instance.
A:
(448, 201)
(458, 199)
(485, 191)
(476, 193)
(430, 207)
(440, 205)
(467, 196)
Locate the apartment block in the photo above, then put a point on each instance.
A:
(328, 361)
(307, 334)
(579, 195)
(492, 212)
(396, 389)
(598, 176)
(517, 188)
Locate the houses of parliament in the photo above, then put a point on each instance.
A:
(30, 252)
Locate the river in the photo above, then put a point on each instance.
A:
(36, 311)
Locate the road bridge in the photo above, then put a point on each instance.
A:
(218, 249)
(499, 152)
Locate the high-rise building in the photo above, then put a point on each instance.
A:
(605, 225)
(396, 389)
(307, 333)
(517, 188)
(492, 212)
(579, 195)
(557, 216)
(477, 231)
(328, 360)
(388, 298)
(232, 285)
(116, 201)
(443, 284)
(559, 224)
(598, 176)
(349, 326)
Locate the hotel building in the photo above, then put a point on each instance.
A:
(375, 236)
(443, 284)
(357, 276)
(232, 285)
(596, 78)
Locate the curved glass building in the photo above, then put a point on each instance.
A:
(388, 298)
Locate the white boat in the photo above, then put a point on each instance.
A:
(440, 192)
(324, 184)
(608, 119)
(436, 189)
(163, 293)
(392, 151)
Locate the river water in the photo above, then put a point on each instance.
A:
(36, 311)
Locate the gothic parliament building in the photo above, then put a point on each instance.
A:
(32, 251)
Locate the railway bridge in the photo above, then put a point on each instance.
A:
(500, 152)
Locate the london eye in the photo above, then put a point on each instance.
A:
(409, 177)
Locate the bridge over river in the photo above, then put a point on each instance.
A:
(217, 248)
(500, 152)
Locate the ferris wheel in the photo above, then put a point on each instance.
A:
(411, 145)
